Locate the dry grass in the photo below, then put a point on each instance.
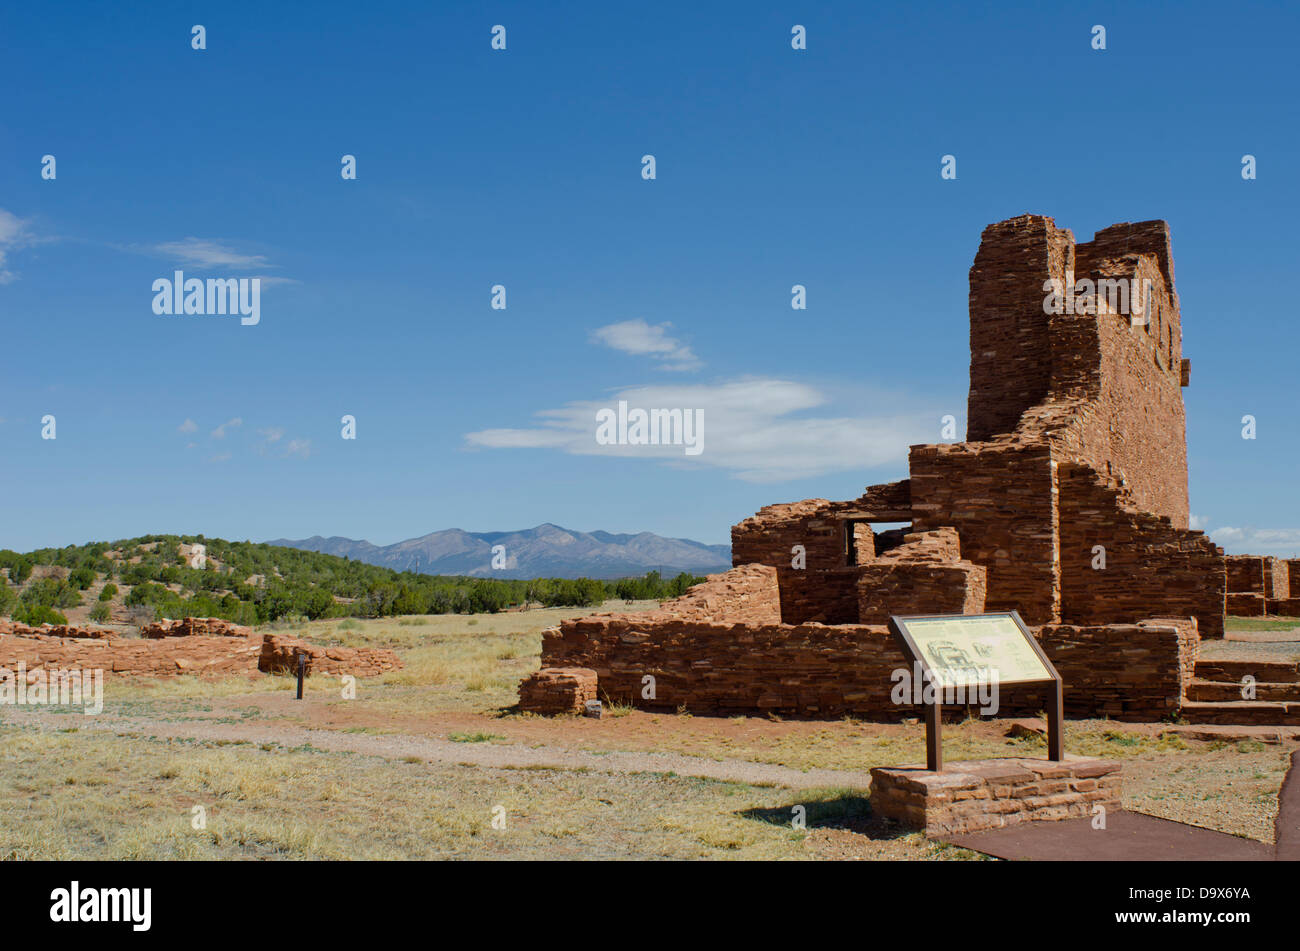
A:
(97, 796)
(83, 794)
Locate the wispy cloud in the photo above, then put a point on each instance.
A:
(650, 340)
(298, 447)
(220, 431)
(188, 426)
(14, 234)
(205, 253)
(761, 430)
(271, 434)
(1258, 541)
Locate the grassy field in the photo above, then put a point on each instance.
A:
(423, 760)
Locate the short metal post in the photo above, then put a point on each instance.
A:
(1055, 728)
(933, 742)
(302, 671)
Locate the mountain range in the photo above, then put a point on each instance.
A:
(547, 551)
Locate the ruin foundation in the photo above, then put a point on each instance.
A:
(216, 648)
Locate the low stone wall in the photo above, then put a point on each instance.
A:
(55, 630)
(794, 670)
(219, 656)
(1133, 672)
(1284, 607)
(975, 795)
(194, 627)
(279, 654)
(121, 656)
(1245, 604)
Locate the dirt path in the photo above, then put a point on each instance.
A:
(435, 750)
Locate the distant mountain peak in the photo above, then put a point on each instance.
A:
(544, 551)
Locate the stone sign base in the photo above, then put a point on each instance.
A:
(974, 795)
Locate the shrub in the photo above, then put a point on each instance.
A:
(34, 615)
(109, 592)
(101, 612)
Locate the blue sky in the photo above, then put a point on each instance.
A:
(523, 168)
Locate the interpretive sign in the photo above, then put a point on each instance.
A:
(966, 650)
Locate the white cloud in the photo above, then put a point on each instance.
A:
(759, 429)
(1258, 541)
(298, 447)
(220, 431)
(642, 339)
(271, 434)
(13, 235)
(206, 253)
(188, 426)
(1197, 522)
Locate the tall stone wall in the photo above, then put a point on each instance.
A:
(1010, 349)
(1134, 426)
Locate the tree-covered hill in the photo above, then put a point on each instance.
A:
(251, 583)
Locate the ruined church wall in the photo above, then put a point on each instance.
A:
(1151, 566)
(1133, 672)
(1002, 501)
(1010, 349)
(1135, 427)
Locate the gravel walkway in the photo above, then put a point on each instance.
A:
(436, 750)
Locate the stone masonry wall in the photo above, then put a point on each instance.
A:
(212, 656)
(1002, 501)
(1010, 350)
(120, 656)
(1149, 564)
(1129, 672)
(748, 594)
(924, 575)
(1132, 672)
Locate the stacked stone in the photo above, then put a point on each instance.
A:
(279, 654)
(1133, 672)
(1149, 565)
(211, 656)
(1001, 500)
(924, 575)
(748, 594)
(558, 690)
(1260, 585)
(222, 655)
(194, 627)
(976, 795)
(55, 630)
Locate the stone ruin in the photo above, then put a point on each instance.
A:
(1067, 502)
(211, 647)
